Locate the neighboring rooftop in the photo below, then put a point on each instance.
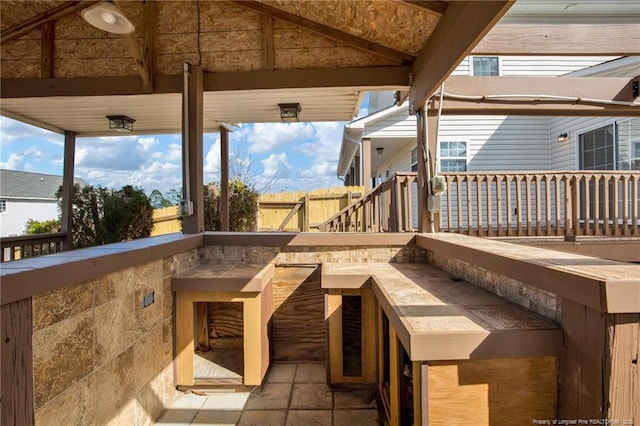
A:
(27, 185)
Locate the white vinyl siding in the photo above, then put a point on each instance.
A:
(543, 66)
(396, 125)
(500, 143)
(399, 162)
(547, 66)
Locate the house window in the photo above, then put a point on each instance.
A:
(485, 66)
(612, 147)
(3, 206)
(597, 149)
(628, 145)
(453, 156)
(414, 160)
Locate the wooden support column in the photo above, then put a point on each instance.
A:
(67, 189)
(224, 179)
(149, 43)
(355, 179)
(267, 43)
(192, 156)
(423, 216)
(16, 360)
(366, 163)
(432, 147)
(46, 59)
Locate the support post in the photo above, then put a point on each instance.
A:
(423, 216)
(192, 157)
(366, 163)
(224, 179)
(16, 363)
(67, 189)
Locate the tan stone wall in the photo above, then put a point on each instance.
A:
(99, 357)
(540, 301)
(313, 255)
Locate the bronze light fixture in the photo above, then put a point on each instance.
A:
(380, 150)
(289, 112)
(121, 123)
(563, 137)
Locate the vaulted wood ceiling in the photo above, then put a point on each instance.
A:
(324, 53)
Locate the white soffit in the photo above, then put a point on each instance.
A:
(162, 113)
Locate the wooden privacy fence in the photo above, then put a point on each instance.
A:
(303, 211)
(542, 204)
(166, 221)
(389, 207)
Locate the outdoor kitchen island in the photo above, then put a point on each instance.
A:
(437, 347)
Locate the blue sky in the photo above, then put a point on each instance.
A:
(275, 156)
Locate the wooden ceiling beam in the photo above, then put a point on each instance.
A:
(461, 27)
(47, 48)
(561, 39)
(34, 23)
(546, 96)
(328, 32)
(150, 18)
(386, 78)
(268, 49)
(438, 7)
(143, 66)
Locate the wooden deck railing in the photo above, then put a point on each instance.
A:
(528, 204)
(24, 246)
(542, 204)
(389, 207)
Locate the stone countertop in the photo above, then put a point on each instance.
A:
(438, 317)
(605, 285)
(228, 278)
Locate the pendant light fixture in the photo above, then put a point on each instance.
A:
(107, 17)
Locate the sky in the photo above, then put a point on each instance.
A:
(274, 157)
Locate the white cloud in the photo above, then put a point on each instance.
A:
(14, 162)
(12, 131)
(276, 166)
(147, 144)
(212, 162)
(326, 143)
(115, 153)
(264, 137)
(34, 152)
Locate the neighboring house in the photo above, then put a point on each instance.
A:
(497, 143)
(378, 145)
(25, 196)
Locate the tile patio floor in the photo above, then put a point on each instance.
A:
(294, 394)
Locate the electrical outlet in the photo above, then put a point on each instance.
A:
(148, 299)
(186, 208)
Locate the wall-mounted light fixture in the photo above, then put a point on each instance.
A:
(107, 17)
(379, 150)
(563, 137)
(289, 112)
(121, 123)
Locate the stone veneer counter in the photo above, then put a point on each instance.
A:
(217, 277)
(439, 317)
